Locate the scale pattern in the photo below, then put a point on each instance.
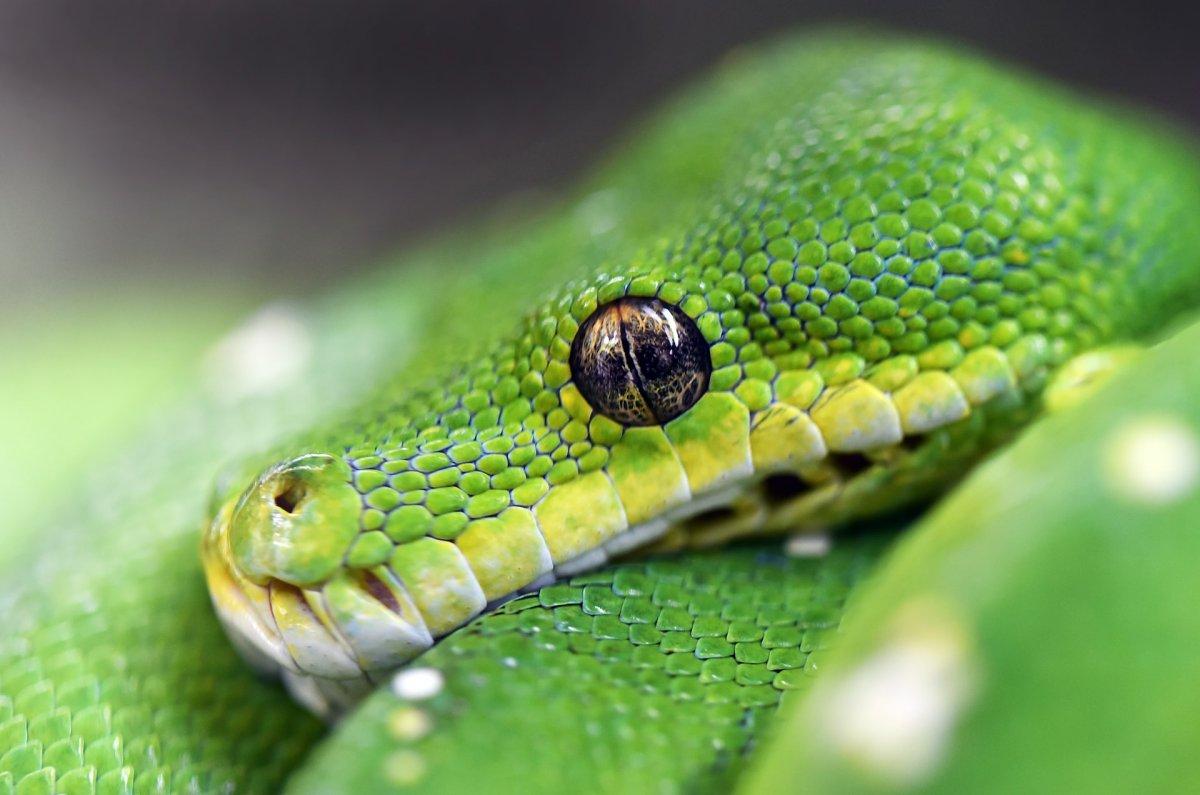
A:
(963, 213)
(106, 619)
(649, 677)
(895, 257)
(103, 690)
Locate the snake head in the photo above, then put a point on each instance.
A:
(335, 567)
(882, 277)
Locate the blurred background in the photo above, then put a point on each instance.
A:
(285, 143)
(166, 167)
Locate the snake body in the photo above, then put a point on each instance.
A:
(896, 255)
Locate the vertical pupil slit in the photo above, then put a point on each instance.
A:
(631, 361)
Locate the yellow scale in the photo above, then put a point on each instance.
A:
(656, 479)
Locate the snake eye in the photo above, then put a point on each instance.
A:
(640, 361)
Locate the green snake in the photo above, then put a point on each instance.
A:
(810, 293)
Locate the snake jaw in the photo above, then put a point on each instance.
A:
(273, 560)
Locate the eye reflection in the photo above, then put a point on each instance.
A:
(640, 361)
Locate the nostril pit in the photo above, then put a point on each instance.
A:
(288, 496)
(296, 521)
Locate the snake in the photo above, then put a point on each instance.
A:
(549, 503)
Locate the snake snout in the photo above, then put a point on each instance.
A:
(275, 560)
(296, 521)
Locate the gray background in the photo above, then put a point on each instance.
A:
(285, 143)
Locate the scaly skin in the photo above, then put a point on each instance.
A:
(642, 678)
(891, 250)
(886, 267)
(1060, 626)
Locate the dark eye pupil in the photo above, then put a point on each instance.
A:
(640, 361)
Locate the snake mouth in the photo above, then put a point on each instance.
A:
(345, 631)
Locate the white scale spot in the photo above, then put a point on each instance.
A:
(267, 352)
(895, 713)
(1153, 460)
(418, 684)
(808, 546)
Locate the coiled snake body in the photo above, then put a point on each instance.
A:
(816, 289)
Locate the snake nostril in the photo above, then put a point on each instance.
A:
(296, 521)
(289, 496)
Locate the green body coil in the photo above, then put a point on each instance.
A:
(893, 251)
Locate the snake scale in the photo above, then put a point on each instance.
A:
(812, 291)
